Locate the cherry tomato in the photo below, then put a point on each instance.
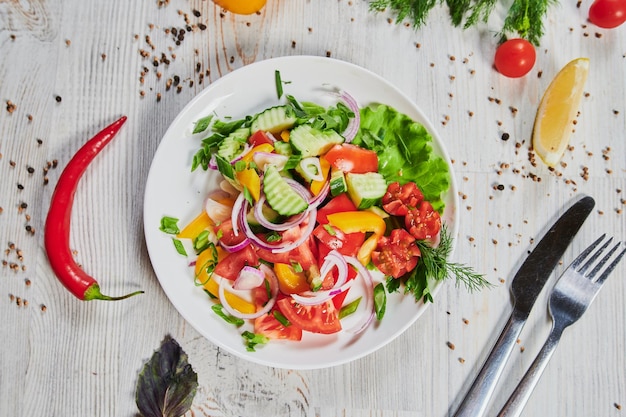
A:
(515, 58)
(322, 318)
(398, 199)
(608, 13)
(241, 6)
(352, 158)
(423, 222)
(397, 254)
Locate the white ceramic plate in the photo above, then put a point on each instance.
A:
(172, 190)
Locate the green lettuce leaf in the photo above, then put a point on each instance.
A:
(405, 152)
(167, 383)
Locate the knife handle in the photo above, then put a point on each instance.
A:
(477, 398)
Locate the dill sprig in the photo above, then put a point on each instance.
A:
(434, 266)
(524, 18)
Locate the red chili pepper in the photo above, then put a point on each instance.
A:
(57, 228)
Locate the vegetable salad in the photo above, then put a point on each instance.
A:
(316, 203)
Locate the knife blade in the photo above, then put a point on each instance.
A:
(525, 288)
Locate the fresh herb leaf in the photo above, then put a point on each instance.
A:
(180, 248)
(202, 124)
(281, 318)
(224, 167)
(219, 310)
(273, 237)
(169, 225)
(167, 383)
(252, 340)
(349, 308)
(279, 84)
(201, 242)
(524, 18)
(380, 300)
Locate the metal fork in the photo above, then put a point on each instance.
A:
(573, 293)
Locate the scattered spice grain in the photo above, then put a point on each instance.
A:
(450, 345)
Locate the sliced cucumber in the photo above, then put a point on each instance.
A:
(282, 148)
(233, 144)
(280, 196)
(337, 182)
(308, 141)
(274, 120)
(367, 189)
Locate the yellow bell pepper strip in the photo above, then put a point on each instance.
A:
(196, 226)
(290, 281)
(209, 284)
(316, 186)
(360, 221)
(284, 135)
(249, 178)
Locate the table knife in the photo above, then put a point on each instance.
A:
(525, 288)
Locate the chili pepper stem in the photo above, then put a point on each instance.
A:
(93, 293)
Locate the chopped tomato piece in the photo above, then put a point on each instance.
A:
(321, 318)
(345, 243)
(233, 263)
(337, 204)
(397, 254)
(226, 235)
(352, 158)
(400, 198)
(258, 138)
(423, 222)
(268, 325)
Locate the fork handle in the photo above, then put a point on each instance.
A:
(519, 398)
(477, 398)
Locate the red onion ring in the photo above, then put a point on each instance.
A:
(305, 235)
(273, 280)
(249, 278)
(353, 125)
(235, 248)
(238, 208)
(368, 283)
(332, 260)
(263, 221)
(246, 150)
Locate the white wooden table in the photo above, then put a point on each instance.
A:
(68, 68)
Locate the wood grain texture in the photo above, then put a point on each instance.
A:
(62, 357)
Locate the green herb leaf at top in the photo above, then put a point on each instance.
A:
(169, 225)
(202, 124)
(167, 383)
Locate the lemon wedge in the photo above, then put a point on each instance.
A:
(241, 6)
(557, 111)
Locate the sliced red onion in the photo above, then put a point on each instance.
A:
(261, 159)
(238, 208)
(319, 199)
(333, 260)
(368, 283)
(249, 278)
(229, 188)
(305, 235)
(235, 248)
(311, 168)
(218, 212)
(213, 162)
(263, 221)
(299, 188)
(271, 136)
(353, 125)
(273, 280)
(246, 150)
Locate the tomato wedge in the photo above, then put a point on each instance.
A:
(268, 325)
(338, 204)
(352, 158)
(259, 138)
(399, 198)
(423, 222)
(226, 234)
(322, 318)
(397, 254)
(233, 263)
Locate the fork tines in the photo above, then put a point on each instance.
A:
(600, 264)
